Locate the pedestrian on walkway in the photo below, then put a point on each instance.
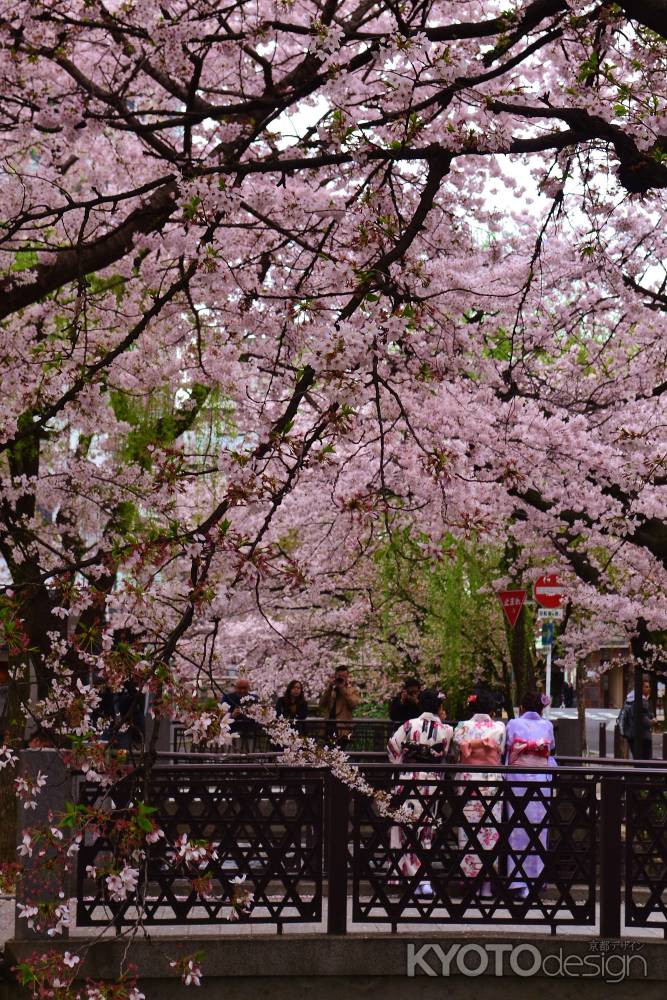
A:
(529, 743)
(480, 740)
(338, 702)
(626, 723)
(292, 704)
(406, 704)
(250, 737)
(418, 743)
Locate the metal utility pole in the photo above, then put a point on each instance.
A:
(548, 639)
(639, 651)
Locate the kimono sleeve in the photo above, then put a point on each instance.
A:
(460, 733)
(441, 745)
(461, 736)
(501, 736)
(397, 742)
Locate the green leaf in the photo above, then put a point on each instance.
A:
(141, 818)
(72, 815)
(190, 207)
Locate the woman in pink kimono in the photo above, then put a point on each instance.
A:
(530, 742)
(480, 740)
(419, 742)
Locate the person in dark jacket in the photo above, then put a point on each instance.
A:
(241, 695)
(123, 711)
(406, 705)
(626, 723)
(292, 704)
(250, 736)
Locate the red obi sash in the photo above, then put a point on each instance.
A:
(524, 749)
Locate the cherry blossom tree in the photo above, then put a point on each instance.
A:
(282, 279)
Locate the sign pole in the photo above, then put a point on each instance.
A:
(548, 593)
(547, 681)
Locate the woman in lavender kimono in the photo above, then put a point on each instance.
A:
(419, 742)
(480, 740)
(530, 742)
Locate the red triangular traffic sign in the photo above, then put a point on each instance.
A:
(512, 602)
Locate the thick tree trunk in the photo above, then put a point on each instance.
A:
(15, 728)
(581, 706)
(523, 664)
(8, 813)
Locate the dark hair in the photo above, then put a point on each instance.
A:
(411, 682)
(481, 702)
(431, 700)
(287, 697)
(532, 702)
(42, 734)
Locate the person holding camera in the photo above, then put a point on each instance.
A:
(338, 702)
(406, 704)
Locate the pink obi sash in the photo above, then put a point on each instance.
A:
(488, 753)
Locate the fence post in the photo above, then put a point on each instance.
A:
(337, 817)
(618, 747)
(39, 881)
(568, 738)
(602, 740)
(611, 855)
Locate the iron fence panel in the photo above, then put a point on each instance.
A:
(265, 826)
(496, 846)
(472, 841)
(646, 850)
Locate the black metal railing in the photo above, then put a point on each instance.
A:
(263, 826)
(476, 846)
(578, 846)
(646, 849)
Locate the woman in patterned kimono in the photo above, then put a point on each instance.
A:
(530, 741)
(419, 742)
(480, 740)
